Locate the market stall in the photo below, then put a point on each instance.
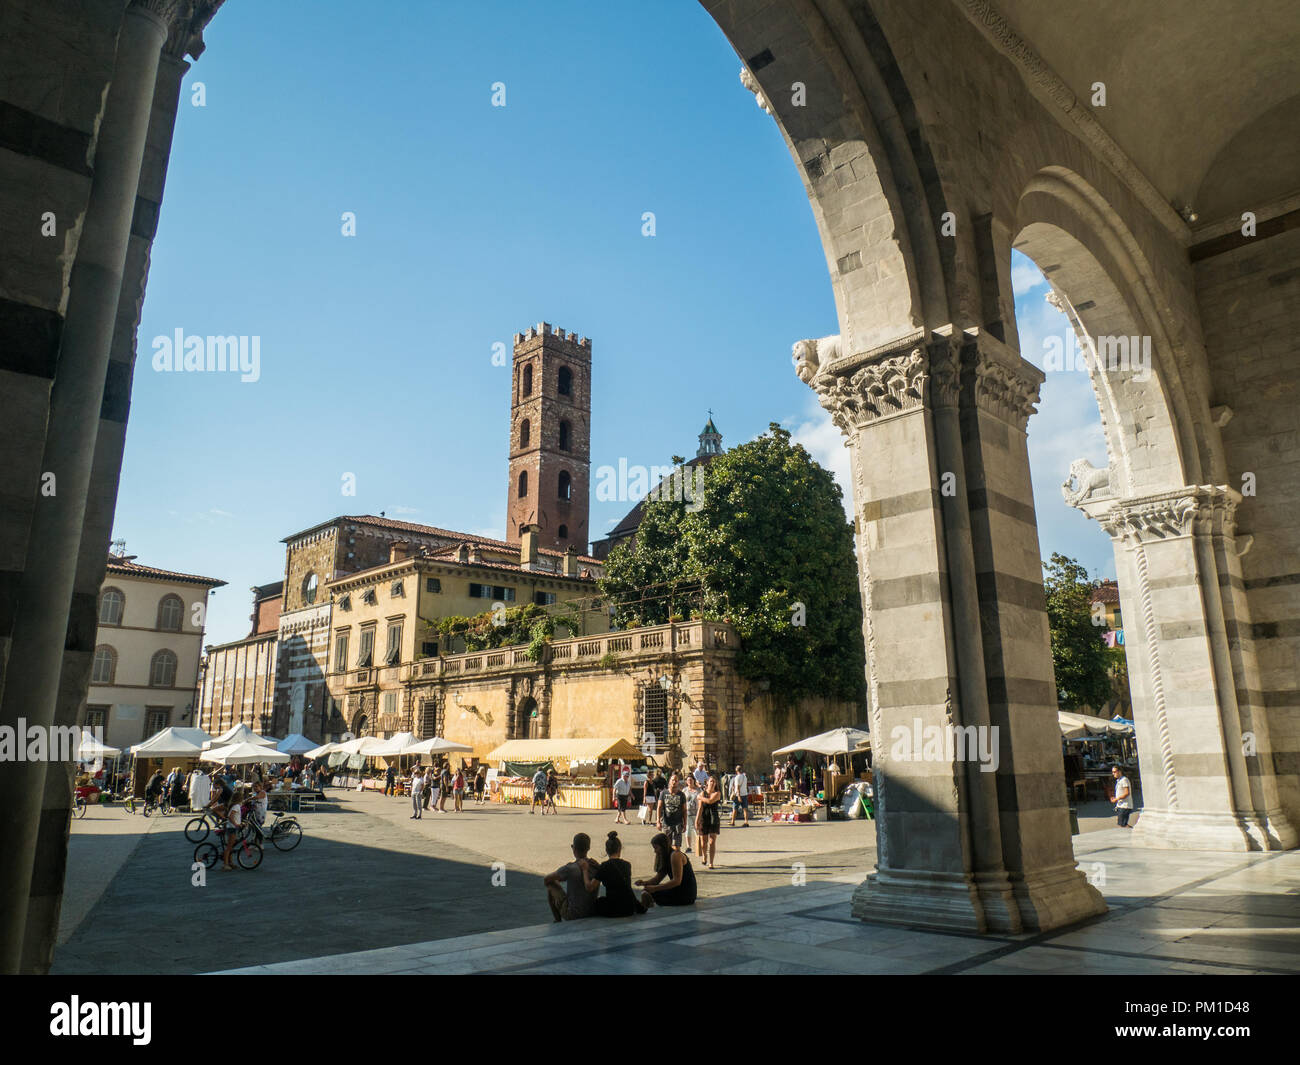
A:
(582, 766)
(840, 747)
(172, 747)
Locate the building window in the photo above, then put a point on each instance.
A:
(492, 591)
(96, 717)
(527, 389)
(345, 602)
(565, 384)
(170, 612)
(105, 667)
(156, 718)
(563, 532)
(309, 586)
(162, 670)
(655, 722)
(525, 431)
(429, 650)
(523, 483)
(566, 485)
(341, 653)
(366, 653)
(369, 597)
(397, 590)
(432, 584)
(394, 653)
(564, 436)
(544, 598)
(390, 703)
(111, 605)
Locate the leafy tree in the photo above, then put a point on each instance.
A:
(1082, 660)
(763, 545)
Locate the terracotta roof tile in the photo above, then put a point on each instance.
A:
(128, 568)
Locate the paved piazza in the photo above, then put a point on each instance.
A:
(370, 891)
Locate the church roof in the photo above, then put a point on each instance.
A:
(710, 428)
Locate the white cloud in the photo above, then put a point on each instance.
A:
(1025, 277)
(406, 510)
(817, 433)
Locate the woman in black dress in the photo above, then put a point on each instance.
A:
(619, 900)
(709, 820)
(674, 881)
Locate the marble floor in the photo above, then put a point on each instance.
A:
(1171, 912)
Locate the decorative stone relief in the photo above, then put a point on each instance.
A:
(1086, 483)
(888, 385)
(1006, 391)
(1204, 509)
(751, 83)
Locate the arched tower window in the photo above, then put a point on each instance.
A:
(566, 381)
(162, 670)
(527, 388)
(566, 485)
(564, 436)
(111, 605)
(170, 612)
(563, 532)
(525, 431)
(105, 667)
(523, 483)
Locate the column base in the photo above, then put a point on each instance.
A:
(942, 901)
(1056, 897)
(1178, 830)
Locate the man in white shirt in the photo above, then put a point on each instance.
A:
(739, 796)
(1123, 796)
(622, 794)
(200, 789)
(417, 790)
(701, 774)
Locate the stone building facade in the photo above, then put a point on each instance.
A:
(548, 484)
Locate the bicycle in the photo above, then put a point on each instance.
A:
(78, 806)
(247, 852)
(285, 832)
(198, 828)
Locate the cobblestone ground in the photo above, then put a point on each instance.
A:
(366, 876)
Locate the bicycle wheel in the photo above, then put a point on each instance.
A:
(79, 806)
(197, 830)
(249, 855)
(286, 835)
(207, 853)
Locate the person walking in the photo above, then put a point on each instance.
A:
(672, 811)
(480, 784)
(552, 790)
(709, 821)
(615, 874)
(444, 786)
(739, 796)
(390, 778)
(649, 801)
(566, 888)
(690, 833)
(417, 792)
(622, 794)
(674, 881)
(458, 790)
(1123, 796)
(426, 787)
(701, 774)
(539, 791)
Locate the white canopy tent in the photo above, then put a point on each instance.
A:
(363, 745)
(244, 754)
(437, 745)
(295, 744)
(1078, 726)
(240, 734)
(323, 749)
(173, 743)
(836, 741)
(391, 747)
(89, 748)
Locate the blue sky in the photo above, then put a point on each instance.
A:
(472, 223)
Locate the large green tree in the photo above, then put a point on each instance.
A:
(1082, 660)
(762, 542)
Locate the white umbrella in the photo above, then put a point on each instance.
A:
(324, 748)
(837, 741)
(90, 748)
(173, 743)
(243, 754)
(240, 734)
(361, 745)
(392, 746)
(437, 745)
(296, 744)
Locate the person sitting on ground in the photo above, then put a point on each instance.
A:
(674, 881)
(566, 888)
(615, 874)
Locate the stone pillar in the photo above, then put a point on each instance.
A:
(1208, 779)
(943, 815)
(999, 392)
(76, 398)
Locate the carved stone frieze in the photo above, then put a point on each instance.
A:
(891, 384)
(1202, 509)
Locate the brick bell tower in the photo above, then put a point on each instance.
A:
(550, 438)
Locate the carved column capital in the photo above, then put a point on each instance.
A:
(1000, 382)
(1201, 509)
(859, 390)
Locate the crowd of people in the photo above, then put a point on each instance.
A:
(431, 786)
(574, 890)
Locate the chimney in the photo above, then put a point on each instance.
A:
(462, 553)
(399, 550)
(571, 561)
(528, 556)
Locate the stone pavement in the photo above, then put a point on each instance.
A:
(1171, 913)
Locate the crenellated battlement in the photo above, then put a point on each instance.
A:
(545, 329)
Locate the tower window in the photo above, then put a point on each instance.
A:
(523, 483)
(525, 431)
(563, 532)
(527, 389)
(566, 485)
(564, 436)
(565, 385)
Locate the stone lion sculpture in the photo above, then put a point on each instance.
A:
(811, 355)
(1085, 481)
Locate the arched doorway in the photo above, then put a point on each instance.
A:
(528, 720)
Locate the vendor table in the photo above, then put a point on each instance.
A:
(570, 796)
